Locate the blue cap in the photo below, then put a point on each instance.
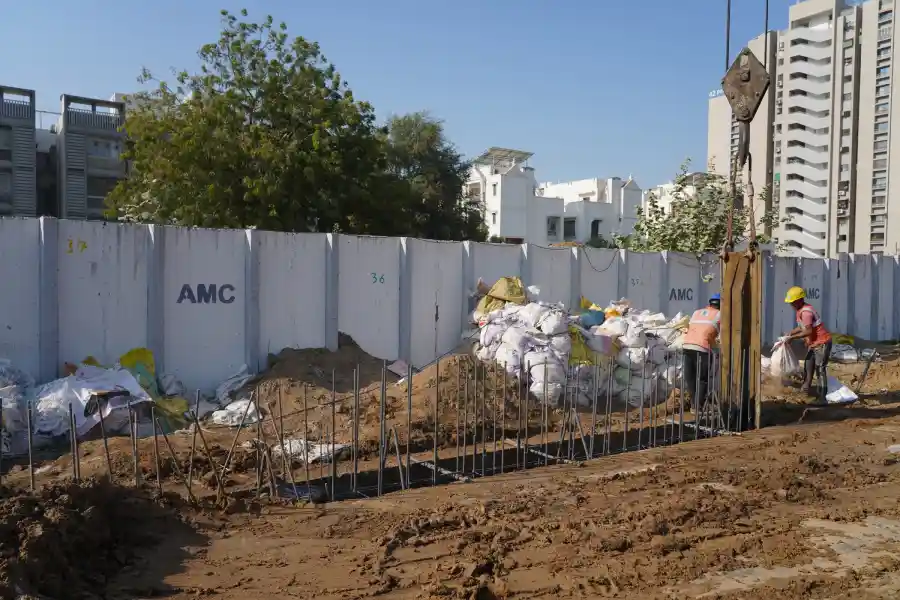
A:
(717, 297)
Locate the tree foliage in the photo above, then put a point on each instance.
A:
(696, 220)
(268, 135)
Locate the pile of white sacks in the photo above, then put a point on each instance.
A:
(634, 355)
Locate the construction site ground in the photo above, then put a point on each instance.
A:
(805, 508)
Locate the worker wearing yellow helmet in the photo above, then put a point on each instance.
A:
(817, 338)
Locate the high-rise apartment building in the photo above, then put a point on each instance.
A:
(828, 158)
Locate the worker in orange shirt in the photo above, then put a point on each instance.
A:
(817, 338)
(703, 330)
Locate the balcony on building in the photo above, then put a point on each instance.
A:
(90, 146)
(17, 155)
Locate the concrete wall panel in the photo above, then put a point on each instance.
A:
(784, 278)
(599, 269)
(684, 291)
(369, 293)
(204, 294)
(645, 274)
(436, 275)
(551, 270)
(20, 267)
(885, 274)
(102, 289)
(493, 261)
(862, 298)
(292, 291)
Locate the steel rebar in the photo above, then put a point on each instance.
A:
(381, 430)
(28, 418)
(409, 390)
(190, 475)
(333, 433)
(73, 440)
(156, 449)
(178, 470)
(437, 399)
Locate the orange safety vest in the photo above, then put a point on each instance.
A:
(703, 328)
(820, 334)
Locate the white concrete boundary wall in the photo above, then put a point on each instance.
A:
(208, 301)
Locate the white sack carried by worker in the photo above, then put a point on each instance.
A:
(784, 362)
(838, 393)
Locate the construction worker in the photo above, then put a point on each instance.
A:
(818, 340)
(702, 332)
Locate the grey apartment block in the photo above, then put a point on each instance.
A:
(90, 144)
(17, 152)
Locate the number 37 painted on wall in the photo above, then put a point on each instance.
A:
(376, 278)
(70, 248)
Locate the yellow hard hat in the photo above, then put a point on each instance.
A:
(794, 294)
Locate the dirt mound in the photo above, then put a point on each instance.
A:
(69, 538)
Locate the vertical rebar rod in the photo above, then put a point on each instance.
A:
(73, 437)
(260, 455)
(1, 445)
(437, 401)
(333, 433)
(156, 462)
(526, 417)
(456, 403)
(494, 410)
(627, 405)
(132, 432)
(190, 475)
(465, 432)
(503, 425)
(30, 443)
(409, 392)
(594, 394)
(545, 425)
(475, 417)
(306, 438)
(355, 448)
(681, 398)
(484, 393)
(381, 413)
(287, 462)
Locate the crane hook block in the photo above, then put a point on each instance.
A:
(745, 84)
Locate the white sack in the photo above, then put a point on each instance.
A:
(614, 327)
(170, 385)
(509, 357)
(51, 400)
(635, 337)
(632, 358)
(492, 332)
(530, 314)
(232, 414)
(838, 393)
(784, 362)
(554, 322)
(515, 338)
(553, 372)
(561, 344)
(226, 389)
(553, 391)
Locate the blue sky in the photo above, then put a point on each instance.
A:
(594, 88)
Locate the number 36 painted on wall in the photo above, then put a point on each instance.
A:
(376, 278)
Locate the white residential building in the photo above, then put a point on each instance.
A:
(519, 209)
(830, 162)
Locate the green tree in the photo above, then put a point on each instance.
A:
(434, 173)
(696, 220)
(267, 135)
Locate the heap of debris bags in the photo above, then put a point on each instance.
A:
(617, 350)
(91, 393)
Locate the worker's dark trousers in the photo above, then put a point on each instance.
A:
(816, 363)
(696, 376)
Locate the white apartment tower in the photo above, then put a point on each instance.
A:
(830, 118)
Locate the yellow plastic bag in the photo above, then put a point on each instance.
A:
(507, 289)
(141, 364)
(581, 354)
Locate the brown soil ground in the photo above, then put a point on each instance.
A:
(804, 510)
